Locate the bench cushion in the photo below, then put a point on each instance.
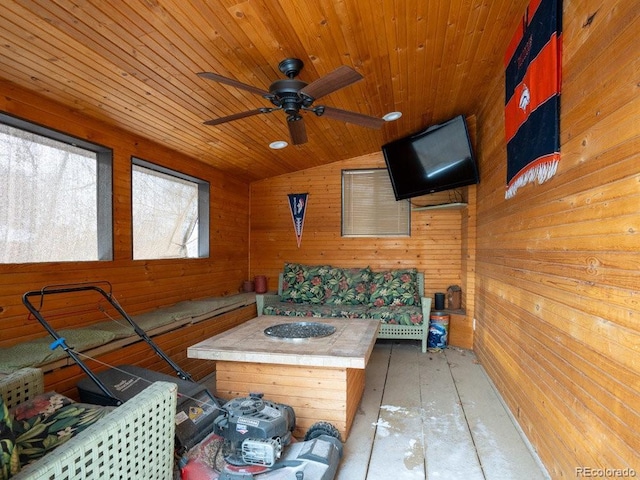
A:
(38, 351)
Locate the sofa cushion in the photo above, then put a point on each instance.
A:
(305, 284)
(9, 462)
(398, 314)
(288, 309)
(40, 407)
(394, 287)
(48, 429)
(348, 311)
(349, 286)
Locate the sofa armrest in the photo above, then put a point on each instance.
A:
(280, 283)
(135, 440)
(21, 386)
(262, 300)
(420, 278)
(425, 303)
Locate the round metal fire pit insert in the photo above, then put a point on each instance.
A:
(297, 330)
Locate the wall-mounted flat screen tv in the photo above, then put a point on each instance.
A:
(437, 158)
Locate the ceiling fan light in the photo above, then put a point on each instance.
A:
(278, 144)
(391, 116)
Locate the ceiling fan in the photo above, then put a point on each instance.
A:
(295, 96)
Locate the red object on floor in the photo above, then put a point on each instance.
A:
(196, 470)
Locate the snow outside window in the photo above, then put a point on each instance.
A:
(55, 200)
(168, 209)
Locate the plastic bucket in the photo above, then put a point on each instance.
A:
(438, 330)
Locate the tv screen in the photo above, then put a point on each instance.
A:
(432, 160)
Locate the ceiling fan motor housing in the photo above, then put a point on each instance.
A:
(285, 95)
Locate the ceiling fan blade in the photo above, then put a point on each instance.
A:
(339, 78)
(234, 83)
(237, 116)
(349, 117)
(297, 130)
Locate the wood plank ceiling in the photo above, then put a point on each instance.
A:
(133, 64)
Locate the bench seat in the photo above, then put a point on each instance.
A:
(110, 335)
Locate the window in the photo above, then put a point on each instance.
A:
(170, 213)
(56, 196)
(369, 207)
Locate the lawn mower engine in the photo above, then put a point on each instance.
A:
(254, 430)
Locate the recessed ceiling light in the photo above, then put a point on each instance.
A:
(391, 116)
(278, 144)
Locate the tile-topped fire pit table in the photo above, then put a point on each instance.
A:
(322, 377)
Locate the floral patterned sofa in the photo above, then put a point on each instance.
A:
(395, 297)
(49, 436)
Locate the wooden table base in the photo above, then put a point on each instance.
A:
(315, 393)
(321, 378)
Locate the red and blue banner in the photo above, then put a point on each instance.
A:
(298, 207)
(532, 96)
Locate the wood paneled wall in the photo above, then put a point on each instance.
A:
(139, 285)
(557, 283)
(434, 247)
(551, 276)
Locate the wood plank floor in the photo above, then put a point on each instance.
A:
(433, 416)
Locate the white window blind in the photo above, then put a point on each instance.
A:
(369, 207)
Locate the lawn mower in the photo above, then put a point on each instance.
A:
(252, 435)
(255, 435)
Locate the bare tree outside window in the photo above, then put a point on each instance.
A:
(167, 207)
(48, 199)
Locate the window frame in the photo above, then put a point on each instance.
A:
(204, 219)
(104, 180)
